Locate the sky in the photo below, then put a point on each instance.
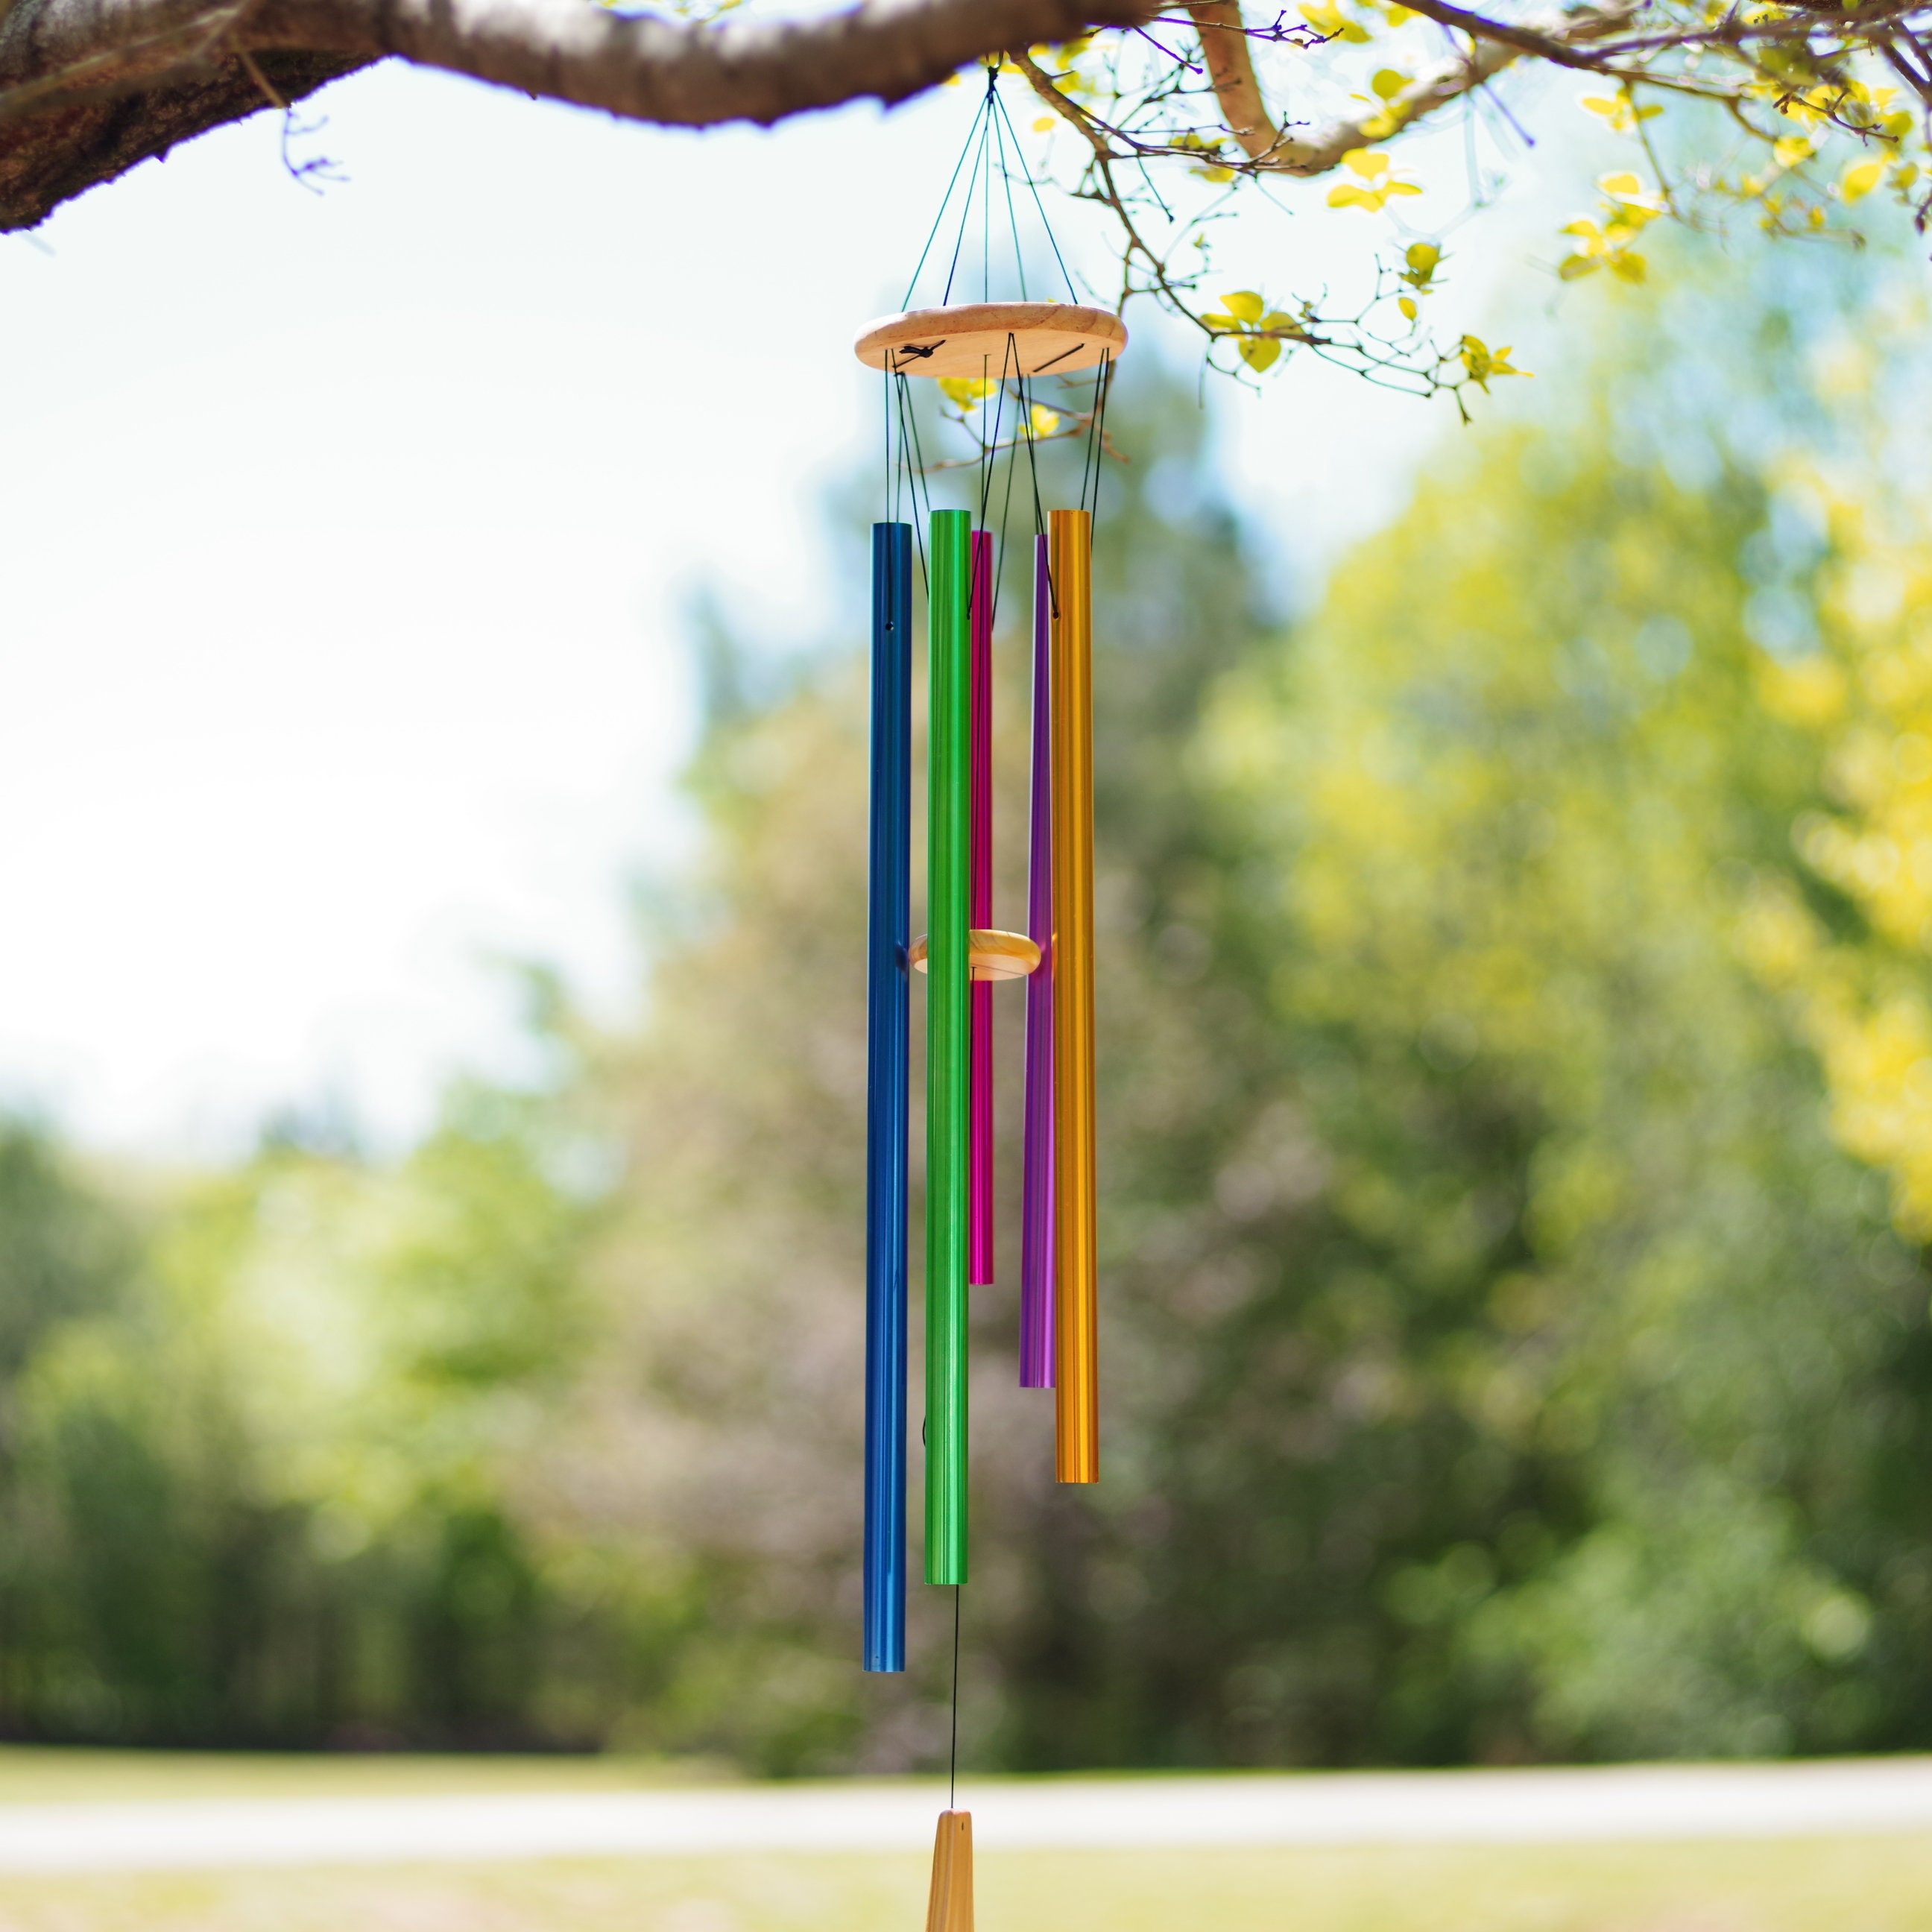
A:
(353, 538)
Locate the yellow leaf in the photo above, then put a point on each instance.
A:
(1349, 196)
(966, 392)
(1365, 163)
(1792, 152)
(1045, 420)
(1606, 106)
(1403, 188)
(1422, 258)
(1220, 324)
(1630, 266)
(1407, 305)
(1274, 319)
(1388, 83)
(1244, 304)
(1044, 125)
(1258, 352)
(1860, 178)
(1571, 266)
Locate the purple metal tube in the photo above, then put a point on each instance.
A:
(980, 1164)
(1036, 1215)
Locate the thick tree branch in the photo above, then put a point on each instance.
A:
(1231, 68)
(89, 87)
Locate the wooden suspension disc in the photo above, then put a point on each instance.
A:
(996, 955)
(972, 339)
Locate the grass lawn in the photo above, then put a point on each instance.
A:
(1872, 1884)
(1840, 1885)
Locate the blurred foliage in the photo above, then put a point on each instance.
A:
(1515, 1062)
(258, 1470)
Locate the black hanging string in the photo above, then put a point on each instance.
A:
(1012, 362)
(1097, 431)
(952, 1772)
(912, 464)
(989, 444)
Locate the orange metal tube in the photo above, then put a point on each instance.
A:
(1077, 1388)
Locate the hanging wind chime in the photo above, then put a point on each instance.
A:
(1001, 349)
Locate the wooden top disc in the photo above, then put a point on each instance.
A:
(972, 339)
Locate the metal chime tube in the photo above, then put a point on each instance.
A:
(1037, 1228)
(979, 1269)
(888, 935)
(1076, 1388)
(947, 1081)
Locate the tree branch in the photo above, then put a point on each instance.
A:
(1231, 68)
(89, 87)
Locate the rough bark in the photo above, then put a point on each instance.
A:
(88, 87)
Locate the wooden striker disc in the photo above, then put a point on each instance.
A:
(972, 339)
(995, 955)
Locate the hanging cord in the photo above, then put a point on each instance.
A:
(892, 468)
(913, 464)
(1027, 404)
(953, 1773)
(989, 446)
(1012, 362)
(1038, 508)
(1039, 206)
(945, 203)
(986, 191)
(981, 122)
(1097, 433)
(1012, 219)
(993, 120)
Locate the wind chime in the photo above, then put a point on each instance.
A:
(1001, 349)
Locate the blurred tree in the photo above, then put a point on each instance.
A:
(1507, 1351)
(262, 1490)
(1501, 1359)
(1615, 1338)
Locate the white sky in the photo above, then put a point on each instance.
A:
(348, 541)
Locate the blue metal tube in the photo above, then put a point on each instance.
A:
(889, 936)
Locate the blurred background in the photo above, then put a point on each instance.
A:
(433, 846)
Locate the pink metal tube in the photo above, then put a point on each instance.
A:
(979, 1213)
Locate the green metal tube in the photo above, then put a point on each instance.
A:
(949, 823)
